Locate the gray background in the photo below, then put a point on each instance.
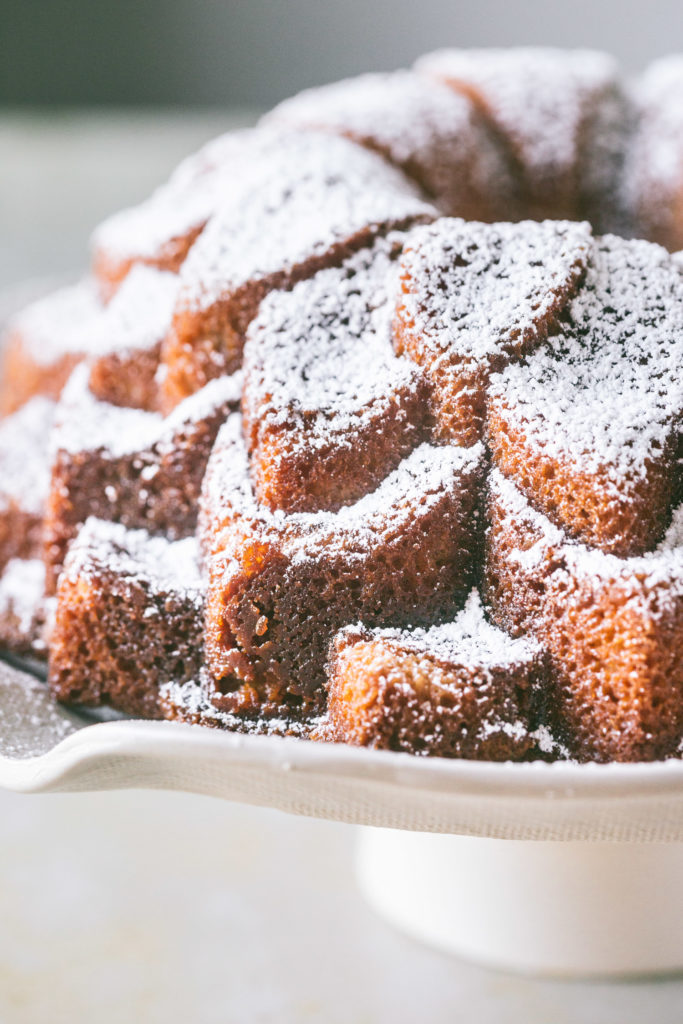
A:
(254, 52)
(164, 908)
(161, 907)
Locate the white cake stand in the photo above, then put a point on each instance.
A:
(573, 909)
(563, 869)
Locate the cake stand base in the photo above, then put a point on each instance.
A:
(572, 909)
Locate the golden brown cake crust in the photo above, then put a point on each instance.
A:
(126, 350)
(316, 201)
(128, 619)
(588, 426)
(613, 629)
(24, 612)
(329, 411)
(561, 115)
(127, 465)
(436, 137)
(461, 689)
(473, 298)
(280, 586)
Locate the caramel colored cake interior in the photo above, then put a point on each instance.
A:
(366, 426)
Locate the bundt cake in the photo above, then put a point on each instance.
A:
(366, 426)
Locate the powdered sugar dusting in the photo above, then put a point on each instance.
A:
(653, 582)
(539, 98)
(479, 290)
(430, 131)
(159, 565)
(222, 391)
(320, 357)
(191, 702)
(84, 423)
(24, 467)
(417, 484)
(546, 535)
(607, 392)
(315, 194)
(469, 640)
(139, 315)
(59, 324)
(219, 171)
(22, 612)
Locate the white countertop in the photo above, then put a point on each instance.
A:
(172, 908)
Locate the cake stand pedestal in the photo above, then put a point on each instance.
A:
(547, 868)
(558, 908)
